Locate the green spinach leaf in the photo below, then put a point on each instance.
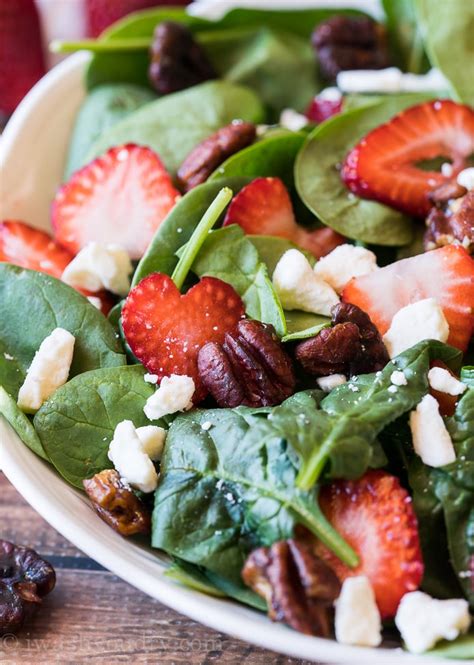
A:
(175, 124)
(318, 181)
(20, 423)
(12, 373)
(461, 648)
(77, 423)
(272, 248)
(301, 325)
(404, 35)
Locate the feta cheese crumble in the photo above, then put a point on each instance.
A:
(440, 379)
(423, 621)
(150, 378)
(357, 620)
(390, 80)
(328, 383)
(466, 178)
(330, 94)
(95, 301)
(398, 378)
(98, 267)
(175, 393)
(431, 439)
(292, 120)
(131, 451)
(298, 287)
(345, 262)
(48, 371)
(412, 324)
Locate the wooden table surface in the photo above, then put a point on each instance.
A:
(92, 616)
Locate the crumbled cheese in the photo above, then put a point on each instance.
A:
(392, 389)
(206, 425)
(423, 621)
(389, 80)
(174, 394)
(127, 452)
(345, 262)
(433, 80)
(98, 267)
(292, 120)
(431, 439)
(357, 620)
(412, 324)
(447, 169)
(398, 378)
(152, 439)
(440, 379)
(151, 378)
(328, 383)
(298, 287)
(48, 371)
(466, 178)
(331, 94)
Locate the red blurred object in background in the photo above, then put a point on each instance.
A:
(321, 109)
(22, 60)
(101, 13)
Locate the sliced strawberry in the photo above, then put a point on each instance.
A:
(384, 164)
(121, 197)
(321, 109)
(102, 13)
(375, 515)
(165, 329)
(446, 274)
(263, 207)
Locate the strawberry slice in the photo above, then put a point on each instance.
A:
(263, 207)
(375, 516)
(121, 197)
(165, 329)
(446, 274)
(27, 247)
(384, 165)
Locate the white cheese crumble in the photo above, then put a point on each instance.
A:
(412, 324)
(331, 94)
(298, 287)
(98, 267)
(423, 621)
(466, 178)
(292, 120)
(345, 262)
(95, 301)
(398, 378)
(48, 371)
(174, 394)
(357, 620)
(440, 379)
(131, 452)
(206, 425)
(151, 378)
(328, 383)
(389, 80)
(431, 439)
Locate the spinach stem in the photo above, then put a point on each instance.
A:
(199, 235)
(101, 46)
(333, 540)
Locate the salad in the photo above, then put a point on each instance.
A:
(248, 336)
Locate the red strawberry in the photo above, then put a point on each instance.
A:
(101, 13)
(121, 197)
(21, 52)
(25, 246)
(321, 109)
(165, 329)
(446, 274)
(384, 164)
(375, 515)
(263, 207)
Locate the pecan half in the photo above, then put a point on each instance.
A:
(25, 578)
(344, 42)
(250, 368)
(116, 504)
(177, 60)
(451, 221)
(352, 346)
(298, 587)
(213, 151)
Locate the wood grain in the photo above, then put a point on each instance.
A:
(94, 617)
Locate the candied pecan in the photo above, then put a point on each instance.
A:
(250, 368)
(116, 504)
(445, 192)
(299, 588)
(177, 60)
(352, 346)
(452, 220)
(344, 42)
(25, 578)
(213, 151)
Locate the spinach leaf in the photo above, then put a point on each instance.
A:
(101, 109)
(77, 423)
(33, 305)
(20, 423)
(461, 648)
(178, 227)
(272, 248)
(301, 325)
(404, 35)
(12, 373)
(227, 489)
(447, 29)
(318, 181)
(467, 375)
(175, 124)
(230, 256)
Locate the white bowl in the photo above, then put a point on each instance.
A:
(32, 153)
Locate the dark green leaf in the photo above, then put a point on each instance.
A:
(461, 648)
(20, 423)
(404, 35)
